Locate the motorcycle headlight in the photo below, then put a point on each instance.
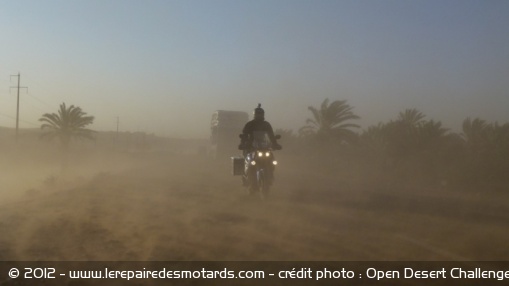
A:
(267, 154)
(253, 163)
(260, 154)
(274, 162)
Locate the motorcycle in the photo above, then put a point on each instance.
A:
(259, 165)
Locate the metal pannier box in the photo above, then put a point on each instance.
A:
(237, 166)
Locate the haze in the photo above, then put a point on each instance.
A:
(164, 66)
(160, 190)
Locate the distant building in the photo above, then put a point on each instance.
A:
(225, 128)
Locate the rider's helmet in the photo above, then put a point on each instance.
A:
(259, 113)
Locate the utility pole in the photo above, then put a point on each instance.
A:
(17, 105)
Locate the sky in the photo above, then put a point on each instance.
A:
(163, 67)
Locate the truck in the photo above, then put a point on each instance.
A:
(225, 127)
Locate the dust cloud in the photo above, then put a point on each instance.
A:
(138, 197)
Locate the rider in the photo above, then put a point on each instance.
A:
(247, 137)
(257, 124)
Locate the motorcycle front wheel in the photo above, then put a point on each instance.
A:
(263, 184)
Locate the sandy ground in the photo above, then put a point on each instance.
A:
(164, 206)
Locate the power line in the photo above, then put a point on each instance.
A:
(24, 121)
(33, 105)
(44, 103)
(5, 115)
(30, 123)
(31, 93)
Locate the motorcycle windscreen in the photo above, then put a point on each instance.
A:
(261, 140)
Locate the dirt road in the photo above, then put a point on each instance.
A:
(183, 207)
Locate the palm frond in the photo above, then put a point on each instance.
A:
(330, 120)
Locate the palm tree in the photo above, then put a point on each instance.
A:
(406, 136)
(411, 117)
(403, 133)
(487, 148)
(431, 132)
(68, 123)
(331, 120)
(501, 136)
(475, 133)
(375, 136)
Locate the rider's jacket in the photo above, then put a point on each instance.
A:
(258, 125)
